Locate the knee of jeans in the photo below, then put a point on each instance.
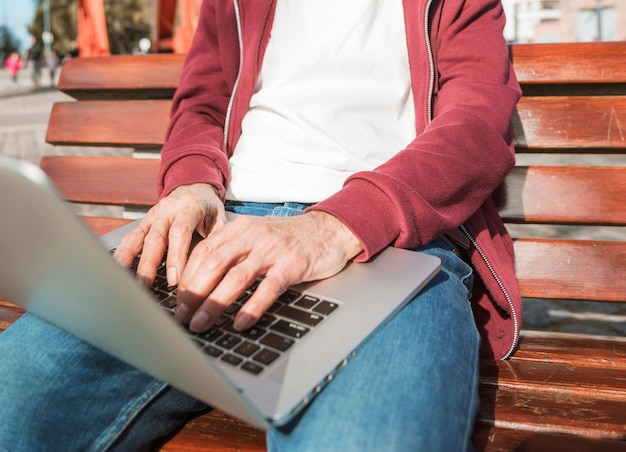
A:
(452, 262)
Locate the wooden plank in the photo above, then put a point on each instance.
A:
(535, 411)
(9, 313)
(571, 269)
(122, 181)
(493, 439)
(152, 76)
(218, 432)
(575, 123)
(121, 123)
(556, 380)
(549, 124)
(584, 195)
(582, 350)
(573, 63)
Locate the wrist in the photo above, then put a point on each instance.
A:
(338, 233)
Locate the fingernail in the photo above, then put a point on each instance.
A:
(200, 322)
(182, 313)
(172, 276)
(143, 280)
(243, 321)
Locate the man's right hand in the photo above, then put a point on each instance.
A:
(170, 225)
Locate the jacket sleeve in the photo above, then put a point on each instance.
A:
(194, 146)
(462, 151)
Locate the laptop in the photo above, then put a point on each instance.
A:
(61, 272)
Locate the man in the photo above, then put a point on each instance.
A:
(361, 128)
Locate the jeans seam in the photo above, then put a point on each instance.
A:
(127, 415)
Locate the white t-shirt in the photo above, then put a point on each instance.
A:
(333, 98)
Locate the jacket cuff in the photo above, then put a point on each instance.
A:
(192, 169)
(367, 212)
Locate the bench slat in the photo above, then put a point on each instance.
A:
(153, 76)
(572, 63)
(128, 123)
(493, 439)
(570, 122)
(217, 432)
(538, 412)
(541, 124)
(571, 269)
(157, 75)
(563, 195)
(122, 181)
(572, 349)
(554, 379)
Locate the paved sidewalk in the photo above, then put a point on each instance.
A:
(24, 115)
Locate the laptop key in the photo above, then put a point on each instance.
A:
(169, 303)
(307, 302)
(227, 341)
(266, 356)
(289, 296)
(266, 320)
(290, 329)
(278, 342)
(252, 368)
(253, 333)
(246, 349)
(326, 307)
(300, 316)
(211, 335)
(232, 359)
(212, 351)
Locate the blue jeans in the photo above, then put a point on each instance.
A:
(413, 386)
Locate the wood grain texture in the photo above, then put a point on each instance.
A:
(559, 392)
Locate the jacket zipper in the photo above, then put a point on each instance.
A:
(229, 111)
(502, 288)
(463, 229)
(431, 88)
(431, 63)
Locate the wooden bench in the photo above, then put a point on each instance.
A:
(559, 391)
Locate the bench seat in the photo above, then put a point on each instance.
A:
(558, 391)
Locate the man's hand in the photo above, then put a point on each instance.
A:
(284, 251)
(170, 225)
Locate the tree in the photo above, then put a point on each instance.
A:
(8, 43)
(127, 22)
(62, 24)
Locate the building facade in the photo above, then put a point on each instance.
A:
(565, 20)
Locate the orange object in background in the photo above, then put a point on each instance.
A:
(174, 26)
(188, 10)
(92, 37)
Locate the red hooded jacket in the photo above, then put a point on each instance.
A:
(464, 93)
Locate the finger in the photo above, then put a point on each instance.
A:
(203, 271)
(179, 243)
(131, 245)
(154, 245)
(268, 290)
(228, 289)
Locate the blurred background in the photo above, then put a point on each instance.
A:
(99, 27)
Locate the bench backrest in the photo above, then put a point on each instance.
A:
(573, 113)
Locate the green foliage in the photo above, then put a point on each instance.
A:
(127, 22)
(8, 43)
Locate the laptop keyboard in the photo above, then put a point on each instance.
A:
(290, 318)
